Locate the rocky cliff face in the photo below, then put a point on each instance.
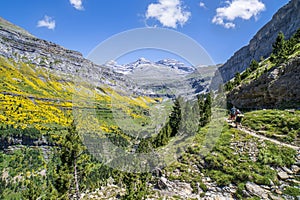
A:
(287, 20)
(275, 89)
(19, 45)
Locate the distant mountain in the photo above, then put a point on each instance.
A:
(286, 19)
(167, 77)
(130, 68)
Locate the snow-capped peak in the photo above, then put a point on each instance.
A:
(173, 64)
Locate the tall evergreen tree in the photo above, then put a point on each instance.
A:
(175, 118)
(253, 65)
(72, 159)
(293, 41)
(278, 46)
(279, 49)
(237, 78)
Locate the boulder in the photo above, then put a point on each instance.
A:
(256, 190)
(283, 175)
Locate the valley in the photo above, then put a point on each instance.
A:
(72, 129)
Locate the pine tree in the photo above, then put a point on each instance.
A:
(175, 118)
(253, 65)
(204, 109)
(278, 46)
(72, 158)
(279, 49)
(237, 78)
(293, 41)
(207, 108)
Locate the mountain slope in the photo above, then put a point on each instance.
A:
(272, 83)
(13, 27)
(278, 88)
(287, 20)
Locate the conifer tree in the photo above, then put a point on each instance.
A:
(253, 65)
(175, 118)
(237, 78)
(72, 158)
(279, 49)
(292, 42)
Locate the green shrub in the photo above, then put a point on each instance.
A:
(292, 191)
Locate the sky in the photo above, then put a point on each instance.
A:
(221, 27)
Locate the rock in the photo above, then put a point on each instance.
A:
(157, 172)
(283, 175)
(162, 184)
(287, 170)
(273, 197)
(295, 169)
(245, 193)
(256, 190)
(277, 191)
(267, 92)
(265, 187)
(183, 188)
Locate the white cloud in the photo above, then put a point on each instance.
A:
(169, 13)
(47, 22)
(244, 9)
(202, 4)
(77, 4)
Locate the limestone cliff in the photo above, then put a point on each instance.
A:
(287, 20)
(278, 88)
(21, 46)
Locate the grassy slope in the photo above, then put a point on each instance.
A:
(231, 161)
(254, 160)
(282, 125)
(32, 97)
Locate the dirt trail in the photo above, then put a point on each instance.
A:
(254, 134)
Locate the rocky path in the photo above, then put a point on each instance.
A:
(254, 134)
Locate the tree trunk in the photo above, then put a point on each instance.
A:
(76, 181)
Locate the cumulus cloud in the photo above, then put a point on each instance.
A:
(244, 9)
(202, 4)
(77, 4)
(169, 13)
(47, 22)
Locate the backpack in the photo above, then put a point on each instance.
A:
(233, 111)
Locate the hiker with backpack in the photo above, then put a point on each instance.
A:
(238, 118)
(232, 113)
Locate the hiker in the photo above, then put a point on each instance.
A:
(232, 113)
(238, 119)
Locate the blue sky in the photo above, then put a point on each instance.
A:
(220, 26)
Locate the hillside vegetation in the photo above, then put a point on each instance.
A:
(61, 138)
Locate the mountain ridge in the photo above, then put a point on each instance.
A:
(130, 67)
(13, 27)
(286, 19)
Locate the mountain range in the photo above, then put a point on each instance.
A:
(72, 129)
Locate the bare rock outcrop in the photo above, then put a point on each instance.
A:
(278, 88)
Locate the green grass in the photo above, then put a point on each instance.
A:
(227, 165)
(282, 125)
